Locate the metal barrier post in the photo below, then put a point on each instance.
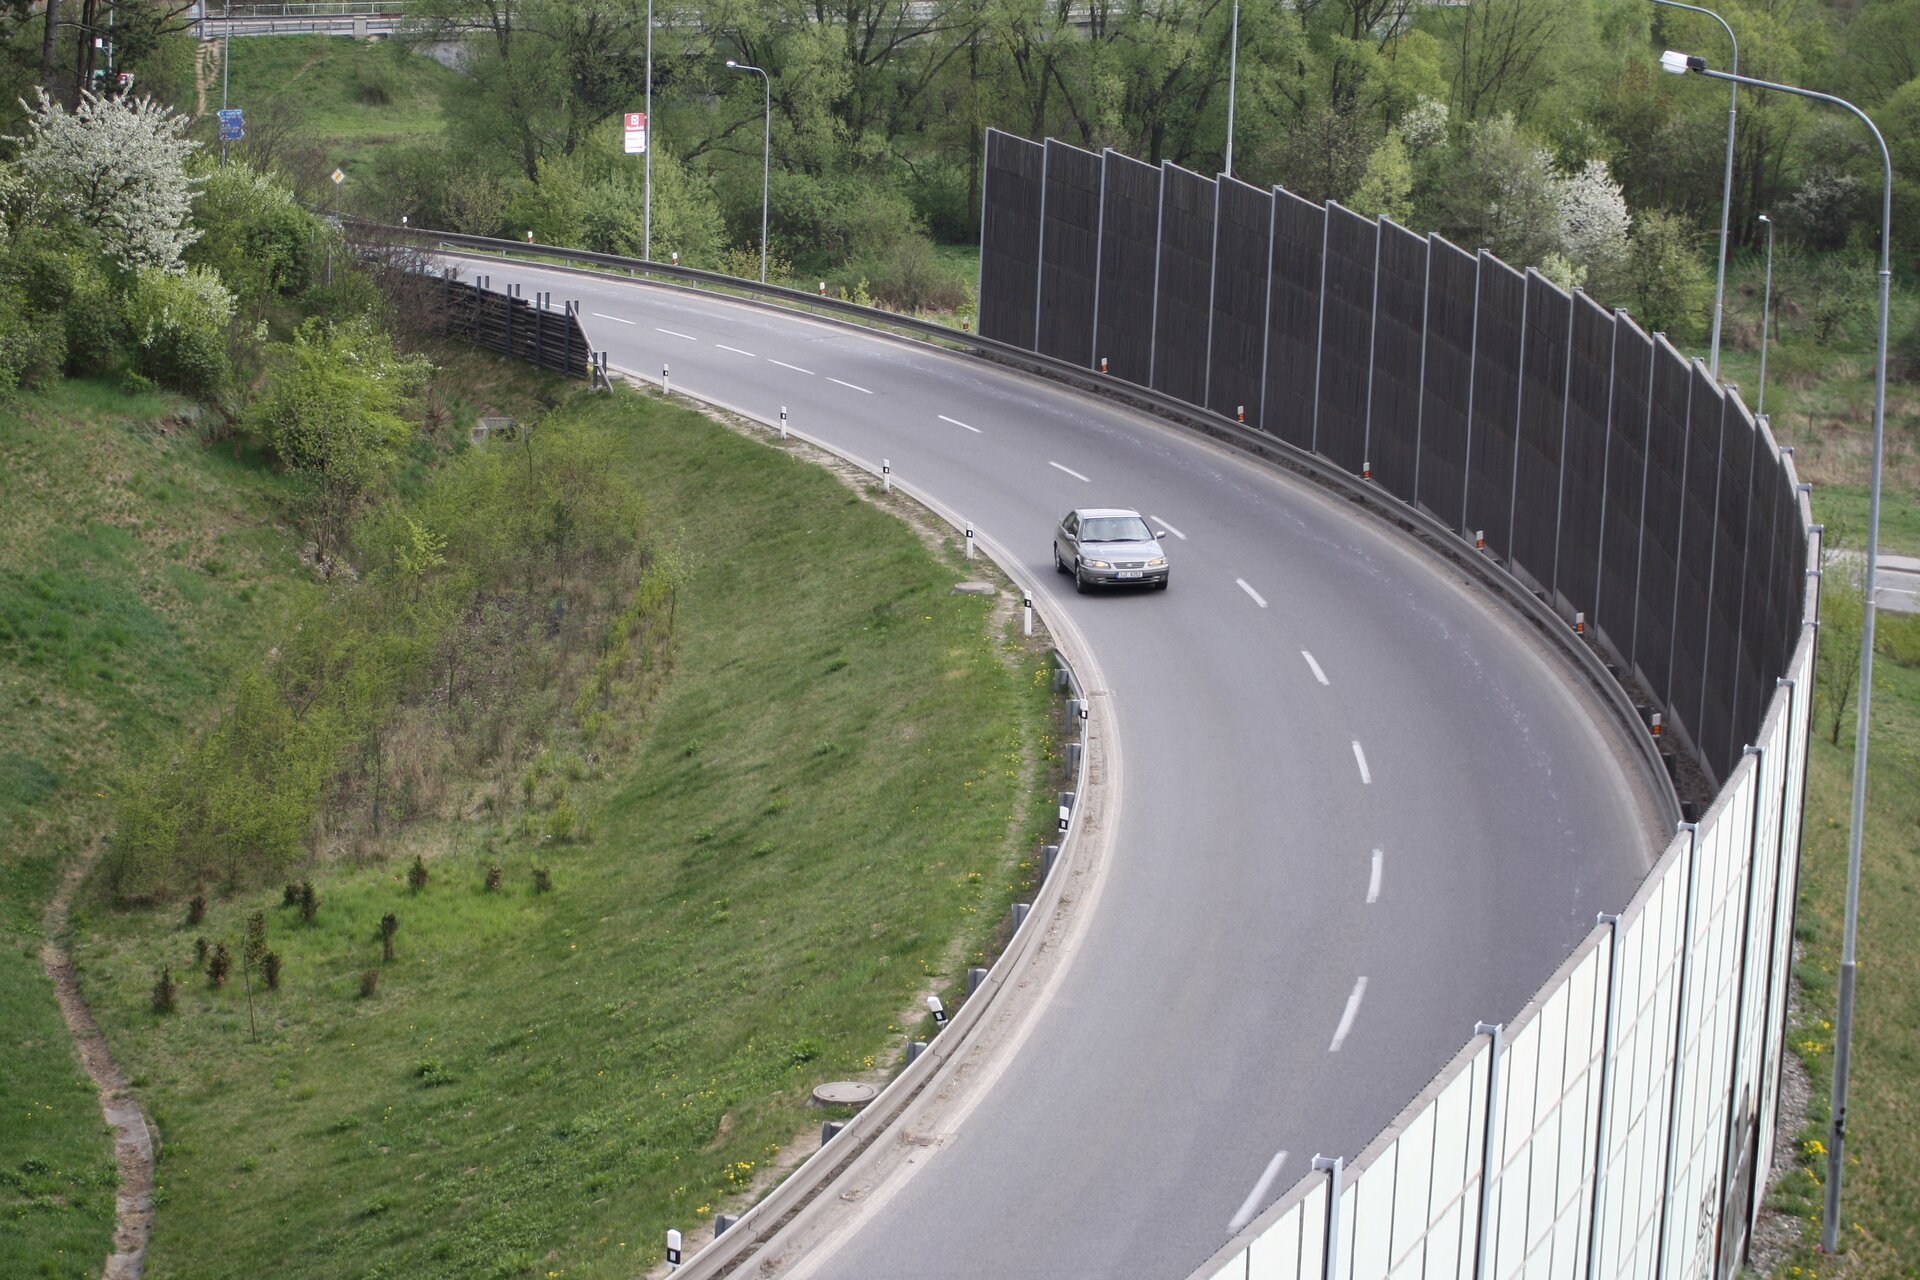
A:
(1490, 1147)
(1604, 1118)
(1330, 1262)
(1679, 1043)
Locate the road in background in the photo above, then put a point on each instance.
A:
(1361, 809)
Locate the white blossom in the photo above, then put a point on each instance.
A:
(1425, 126)
(117, 167)
(1593, 215)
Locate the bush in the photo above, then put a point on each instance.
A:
(220, 965)
(909, 277)
(828, 219)
(33, 346)
(178, 328)
(417, 874)
(270, 970)
(252, 234)
(369, 983)
(163, 991)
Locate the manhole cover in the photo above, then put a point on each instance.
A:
(844, 1093)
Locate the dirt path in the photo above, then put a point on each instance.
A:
(132, 1144)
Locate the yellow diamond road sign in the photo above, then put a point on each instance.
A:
(338, 177)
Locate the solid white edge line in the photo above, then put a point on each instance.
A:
(796, 368)
(1153, 519)
(1318, 674)
(1373, 881)
(956, 422)
(737, 351)
(617, 319)
(675, 333)
(854, 386)
(1346, 1019)
(1251, 1205)
(1360, 758)
(1070, 471)
(1248, 588)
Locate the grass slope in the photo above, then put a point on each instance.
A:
(813, 832)
(350, 96)
(136, 569)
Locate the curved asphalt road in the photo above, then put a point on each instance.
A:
(1360, 807)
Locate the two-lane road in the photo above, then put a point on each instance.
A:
(1358, 809)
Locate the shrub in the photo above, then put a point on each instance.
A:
(290, 896)
(417, 874)
(369, 983)
(493, 878)
(200, 946)
(33, 346)
(197, 908)
(908, 277)
(220, 965)
(270, 970)
(178, 329)
(542, 880)
(389, 925)
(309, 901)
(252, 234)
(163, 991)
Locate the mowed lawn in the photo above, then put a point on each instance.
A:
(832, 802)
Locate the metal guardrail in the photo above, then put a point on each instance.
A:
(1423, 526)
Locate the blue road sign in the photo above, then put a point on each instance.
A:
(233, 125)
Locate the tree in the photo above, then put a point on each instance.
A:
(1497, 190)
(1500, 46)
(1842, 617)
(1593, 217)
(333, 408)
(116, 168)
(1386, 189)
(1662, 279)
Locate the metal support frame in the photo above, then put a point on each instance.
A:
(1678, 1074)
(1604, 1121)
(1490, 1143)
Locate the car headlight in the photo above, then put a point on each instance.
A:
(1096, 564)
(1158, 562)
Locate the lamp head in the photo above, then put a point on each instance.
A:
(1764, 218)
(1680, 63)
(732, 63)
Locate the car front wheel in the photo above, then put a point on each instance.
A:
(1080, 582)
(1059, 565)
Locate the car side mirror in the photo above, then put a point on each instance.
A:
(1160, 533)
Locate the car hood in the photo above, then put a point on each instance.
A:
(1121, 550)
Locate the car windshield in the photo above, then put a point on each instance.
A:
(1115, 529)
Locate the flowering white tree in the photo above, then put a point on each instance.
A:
(117, 167)
(1593, 216)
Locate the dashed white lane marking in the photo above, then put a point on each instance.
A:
(1256, 1197)
(1318, 674)
(1257, 597)
(737, 351)
(784, 365)
(675, 333)
(1153, 519)
(1373, 881)
(1360, 758)
(619, 319)
(851, 386)
(956, 422)
(1346, 1019)
(1069, 470)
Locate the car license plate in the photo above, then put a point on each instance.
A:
(1129, 573)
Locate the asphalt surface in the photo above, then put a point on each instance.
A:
(1361, 809)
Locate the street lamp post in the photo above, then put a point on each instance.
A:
(1766, 314)
(1680, 64)
(1233, 84)
(1726, 185)
(646, 161)
(766, 159)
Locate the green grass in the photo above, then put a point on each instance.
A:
(814, 830)
(1881, 1228)
(136, 569)
(351, 96)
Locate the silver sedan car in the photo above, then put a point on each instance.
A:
(1109, 547)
